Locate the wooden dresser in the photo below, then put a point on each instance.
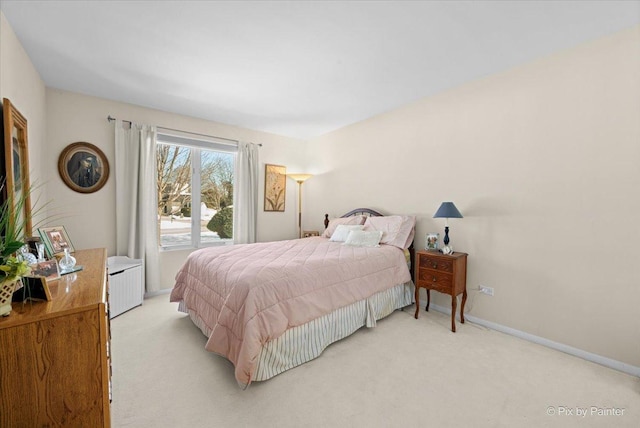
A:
(55, 367)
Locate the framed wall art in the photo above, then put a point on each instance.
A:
(275, 186)
(83, 167)
(55, 240)
(16, 166)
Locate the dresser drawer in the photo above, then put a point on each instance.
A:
(435, 280)
(437, 263)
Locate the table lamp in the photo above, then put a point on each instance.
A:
(447, 210)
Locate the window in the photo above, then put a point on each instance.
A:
(195, 191)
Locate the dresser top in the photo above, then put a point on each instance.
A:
(71, 293)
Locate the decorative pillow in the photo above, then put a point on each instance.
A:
(342, 231)
(398, 230)
(333, 223)
(361, 238)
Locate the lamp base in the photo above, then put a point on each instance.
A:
(447, 249)
(446, 236)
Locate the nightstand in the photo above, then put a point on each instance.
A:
(446, 273)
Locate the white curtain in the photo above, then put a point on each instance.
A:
(245, 204)
(136, 194)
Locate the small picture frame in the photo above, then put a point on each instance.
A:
(432, 241)
(32, 243)
(34, 288)
(310, 233)
(48, 269)
(55, 240)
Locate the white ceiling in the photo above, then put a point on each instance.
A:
(299, 68)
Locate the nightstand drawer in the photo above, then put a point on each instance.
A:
(436, 262)
(435, 280)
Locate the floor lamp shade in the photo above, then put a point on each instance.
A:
(447, 210)
(300, 178)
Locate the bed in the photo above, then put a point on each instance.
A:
(269, 307)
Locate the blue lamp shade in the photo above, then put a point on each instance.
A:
(447, 210)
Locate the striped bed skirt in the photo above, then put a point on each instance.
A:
(303, 343)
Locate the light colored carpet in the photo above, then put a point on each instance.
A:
(403, 373)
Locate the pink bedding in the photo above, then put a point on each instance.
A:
(247, 295)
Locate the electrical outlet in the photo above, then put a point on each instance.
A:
(486, 290)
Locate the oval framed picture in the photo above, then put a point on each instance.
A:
(83, 167)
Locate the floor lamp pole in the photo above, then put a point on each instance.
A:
(299, 178)
(300, 208)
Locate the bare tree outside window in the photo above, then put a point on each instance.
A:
(174, 178)
(194, 186)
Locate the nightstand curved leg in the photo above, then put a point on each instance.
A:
(428, 300)
(454, 305)
(464, 300)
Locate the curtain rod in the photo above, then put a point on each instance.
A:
(111, 119)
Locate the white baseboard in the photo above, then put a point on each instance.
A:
(157, 293)
(595, 358)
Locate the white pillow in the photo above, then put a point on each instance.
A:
(342, 231)
(361, 238)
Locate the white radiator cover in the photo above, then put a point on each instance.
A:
(126, 284)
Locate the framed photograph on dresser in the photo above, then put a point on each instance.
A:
(432, 241)
(35, 288)
(48, 269)
(55, 240)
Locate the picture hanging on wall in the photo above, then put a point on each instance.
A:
(275, 186)
(83, 167)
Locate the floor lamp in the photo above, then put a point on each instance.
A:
(300, 178)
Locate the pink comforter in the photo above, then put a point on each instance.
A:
(247, 295)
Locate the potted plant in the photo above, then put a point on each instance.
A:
(12, 268)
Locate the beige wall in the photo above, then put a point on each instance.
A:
(544, 163)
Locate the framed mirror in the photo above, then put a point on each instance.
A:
(16, 164)
(83, 167)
